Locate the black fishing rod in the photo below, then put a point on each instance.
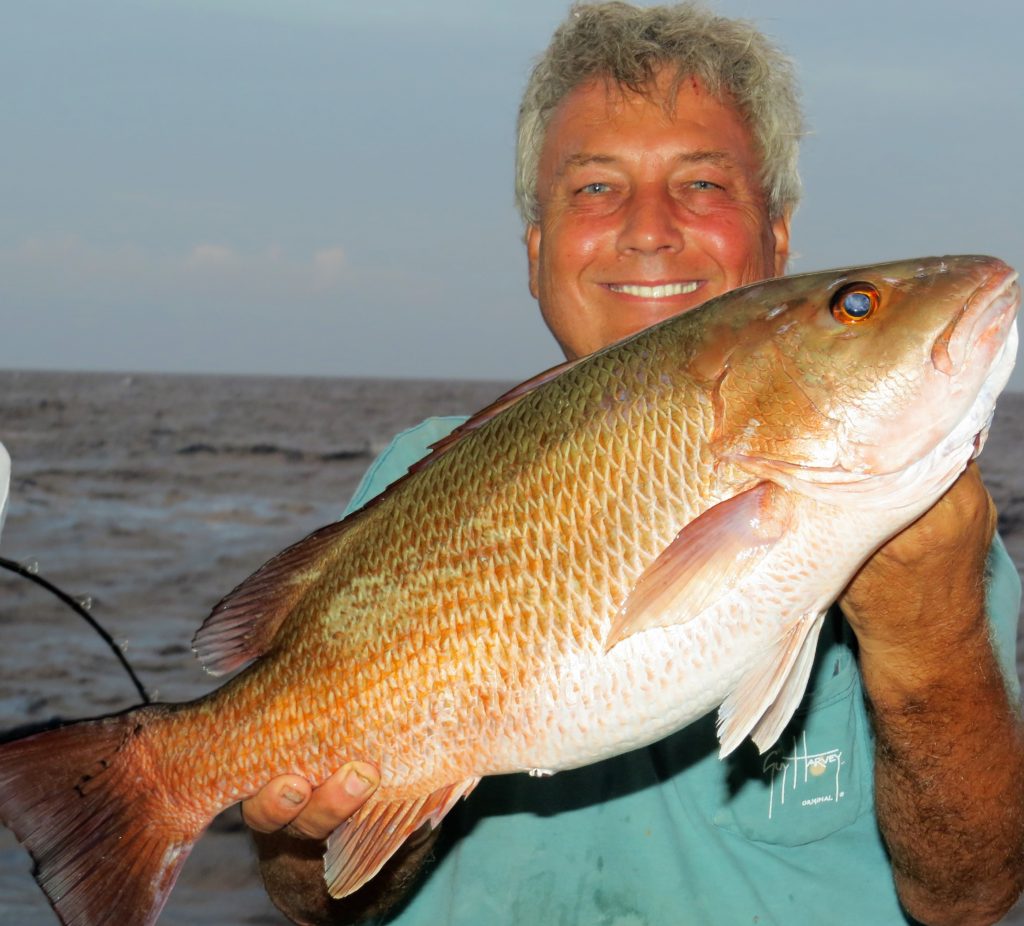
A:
(30, 573)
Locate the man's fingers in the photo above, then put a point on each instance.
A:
(336, 800)
(276, 804)
(315, 813)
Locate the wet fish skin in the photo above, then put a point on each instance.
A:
(600, 558)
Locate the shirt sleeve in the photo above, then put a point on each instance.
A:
(1003, 603)
(394, 461)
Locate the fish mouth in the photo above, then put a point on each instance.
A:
(982, 323)
(982, 337)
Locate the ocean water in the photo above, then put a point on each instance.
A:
(153, 496)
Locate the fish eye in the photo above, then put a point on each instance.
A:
(854, 302)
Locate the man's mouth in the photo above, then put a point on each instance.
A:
(660, 291)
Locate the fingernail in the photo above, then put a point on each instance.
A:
(292, 796)
(356, 785)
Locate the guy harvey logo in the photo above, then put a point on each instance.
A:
(808, 779)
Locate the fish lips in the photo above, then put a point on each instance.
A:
(982, 325)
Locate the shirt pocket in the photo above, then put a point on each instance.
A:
(814, 781)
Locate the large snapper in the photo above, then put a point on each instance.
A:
(602, 556)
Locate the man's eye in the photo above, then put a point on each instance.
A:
(705, 185)
(592, 188)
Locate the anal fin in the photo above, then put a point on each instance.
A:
(358, 848)
(764, 701)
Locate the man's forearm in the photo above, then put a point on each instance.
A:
(949, 774)
(292, 869)
(949, 753)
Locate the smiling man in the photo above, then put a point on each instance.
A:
(656, 169)
(652, 204)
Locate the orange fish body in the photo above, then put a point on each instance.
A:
(606, 554)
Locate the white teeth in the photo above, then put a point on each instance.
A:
(654, 292)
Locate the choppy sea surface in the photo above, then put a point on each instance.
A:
(154, 495)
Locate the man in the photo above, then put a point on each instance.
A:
(656, 169)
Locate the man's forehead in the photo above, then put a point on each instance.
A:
(663, 99)
(599, 120)
(666, 85)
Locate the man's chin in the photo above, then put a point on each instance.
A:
(644, 316)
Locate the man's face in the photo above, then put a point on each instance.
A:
(645, 213)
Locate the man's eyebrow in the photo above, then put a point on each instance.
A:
(706, 156)
(582, 159)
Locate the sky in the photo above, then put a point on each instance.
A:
(324, 187)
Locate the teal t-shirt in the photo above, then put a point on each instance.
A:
(669, 835)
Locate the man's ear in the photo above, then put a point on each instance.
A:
(532, 239)
(780, 230)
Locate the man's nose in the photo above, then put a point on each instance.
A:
(650, 223)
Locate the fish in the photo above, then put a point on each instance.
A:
(603, 555)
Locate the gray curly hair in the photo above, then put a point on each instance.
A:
(630, 45)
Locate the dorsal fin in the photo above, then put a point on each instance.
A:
(505, 401)
(242, 625)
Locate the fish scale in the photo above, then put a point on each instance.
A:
(607, 553)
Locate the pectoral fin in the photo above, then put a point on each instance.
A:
(358, 848)
(763, 703)
(707, 559)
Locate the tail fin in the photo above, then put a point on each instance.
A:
(107, 844)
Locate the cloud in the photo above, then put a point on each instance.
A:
(49, 258)
(54, 264)
(329, 267)
(216, 257)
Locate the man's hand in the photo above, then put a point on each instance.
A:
(312, 812)
(944, 549)
(291, 819)
(949, 749)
